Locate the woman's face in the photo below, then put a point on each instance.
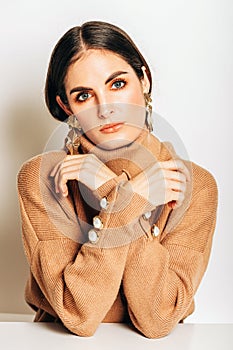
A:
(105, 94)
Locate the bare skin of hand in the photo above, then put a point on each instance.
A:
(162, 183)
(86, 168)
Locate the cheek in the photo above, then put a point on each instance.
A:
(88, 119)
(135, 96)
(75, 108)
(86, 124)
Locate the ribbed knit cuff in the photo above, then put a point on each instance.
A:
(120, 222)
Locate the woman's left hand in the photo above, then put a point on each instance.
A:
(86, 168)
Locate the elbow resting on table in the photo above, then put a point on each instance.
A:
(159, 330)
(85, 329)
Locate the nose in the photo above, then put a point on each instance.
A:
(105, 111)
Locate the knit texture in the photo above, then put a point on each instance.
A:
(129, 275)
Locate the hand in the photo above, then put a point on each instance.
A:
(86, 168)
(162, 183)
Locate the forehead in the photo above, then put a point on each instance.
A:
(96, 62)
(99, 55)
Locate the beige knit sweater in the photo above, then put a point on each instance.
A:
(129, 274)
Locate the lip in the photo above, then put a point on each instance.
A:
(110, 128)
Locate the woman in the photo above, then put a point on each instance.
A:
(116, 227)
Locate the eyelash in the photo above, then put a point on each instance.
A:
(80, 94)
(119, 81)
(87, 93)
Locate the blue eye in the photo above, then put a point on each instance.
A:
(83, 96)
(118, 84)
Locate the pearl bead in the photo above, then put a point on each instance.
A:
(103, 203)
(97, 223)
(155, 231)
(93, 236)
(147, 215)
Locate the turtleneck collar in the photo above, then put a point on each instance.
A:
(104, 155)
(133, 157)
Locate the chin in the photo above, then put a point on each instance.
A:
(114, 144)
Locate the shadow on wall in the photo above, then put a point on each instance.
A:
(26, 132)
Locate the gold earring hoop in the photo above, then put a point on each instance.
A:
(148, 104)
(72, 141)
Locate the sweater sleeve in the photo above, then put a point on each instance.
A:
(79, 281)
(119, 221)
(162, 273)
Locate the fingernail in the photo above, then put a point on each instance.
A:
(172, 204)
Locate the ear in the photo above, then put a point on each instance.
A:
(145, 81)
(63, 106)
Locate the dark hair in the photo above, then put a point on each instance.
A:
(91, 35)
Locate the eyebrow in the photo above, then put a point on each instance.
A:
(85, 88)
(114, 75)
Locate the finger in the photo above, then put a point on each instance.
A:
(182, 168)
(61, 186)
(83, 162)
(174, 175)
(65, 163)
(62, 167)
(71, 162)
(176, 196)
(172, 204)
(53, 172)
(64, 188)
(71, 168)
(178, 165)
(56, 178)
(177, 186)
(173, 185)
(64, 178)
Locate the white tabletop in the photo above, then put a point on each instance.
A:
(29, 335)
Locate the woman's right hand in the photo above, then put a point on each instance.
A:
(86, 168)
(162, 183)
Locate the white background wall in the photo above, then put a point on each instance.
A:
(189, 47)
